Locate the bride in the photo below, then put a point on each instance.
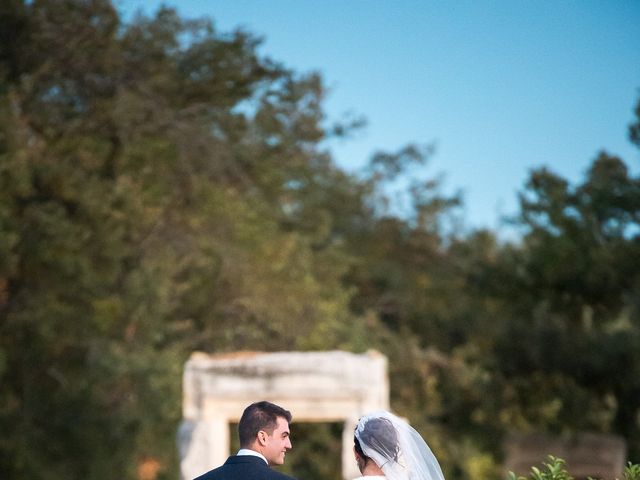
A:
(387, 447)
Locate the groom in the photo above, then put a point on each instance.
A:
(264, 440)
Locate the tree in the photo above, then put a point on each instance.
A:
(149, 179)
(570, 314)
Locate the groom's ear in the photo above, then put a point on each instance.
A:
(262, 437)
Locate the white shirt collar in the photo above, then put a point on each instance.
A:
(246, 451)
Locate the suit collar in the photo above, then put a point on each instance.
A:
(235, 459)
(253, 453)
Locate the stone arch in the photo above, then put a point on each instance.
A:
(332, 386)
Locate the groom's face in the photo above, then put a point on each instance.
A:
(277, 443)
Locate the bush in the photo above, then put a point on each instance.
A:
(555, 470)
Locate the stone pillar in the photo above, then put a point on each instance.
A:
(219, 440)
(349, 466)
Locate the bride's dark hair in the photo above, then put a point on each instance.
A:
(394, 446)
(380, 435)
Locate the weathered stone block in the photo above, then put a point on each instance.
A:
(586, 454)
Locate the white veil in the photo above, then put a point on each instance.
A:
(396, 448)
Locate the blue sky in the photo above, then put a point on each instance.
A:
(500, 87)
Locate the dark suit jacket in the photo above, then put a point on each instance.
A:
(244, 467)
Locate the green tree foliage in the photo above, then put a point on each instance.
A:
(567, 315)
(157, 184)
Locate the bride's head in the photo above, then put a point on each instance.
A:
(376, 440)
(387, 445)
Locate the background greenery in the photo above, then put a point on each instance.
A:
(555, 469)
(164, 189)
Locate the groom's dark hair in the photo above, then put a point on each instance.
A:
(260, 416)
